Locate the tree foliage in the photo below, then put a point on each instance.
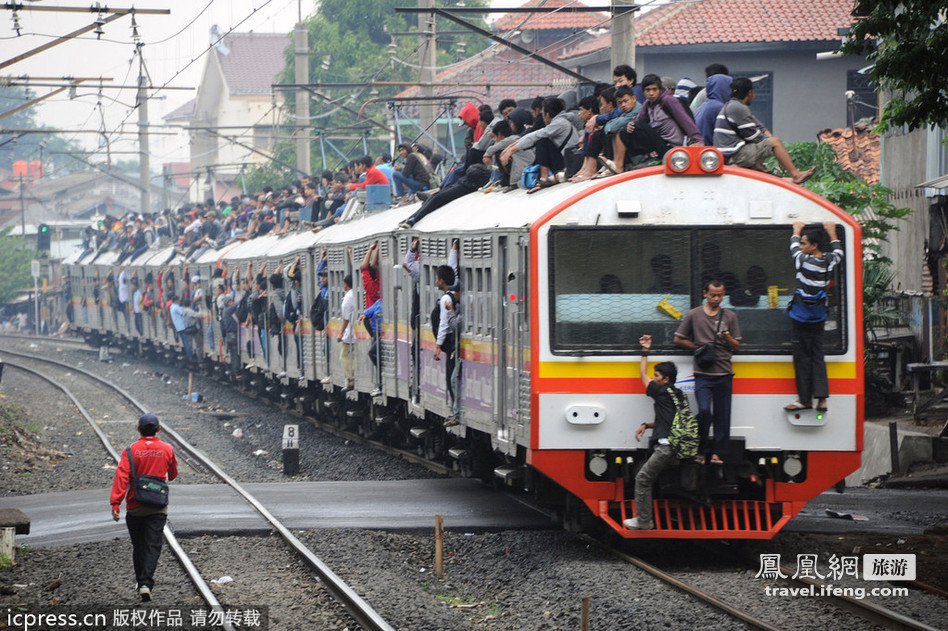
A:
(28, 147)
(355, 42)
(16, 253)
(868, 203)
(907, 43)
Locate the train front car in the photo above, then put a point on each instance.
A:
(629, 257)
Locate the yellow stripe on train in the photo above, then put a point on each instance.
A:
(742, 370)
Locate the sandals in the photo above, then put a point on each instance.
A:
(806, 176)
(545, 183)
(821, 406)
(715, 459)
(796, 405)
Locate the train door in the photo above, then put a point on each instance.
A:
(511, 266)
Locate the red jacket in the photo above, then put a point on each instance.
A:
(372, 176)
(372, 287)
(152, 457)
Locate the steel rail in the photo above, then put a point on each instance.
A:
(876, 614)
(367, 617)
(182, 556)
(717, 603)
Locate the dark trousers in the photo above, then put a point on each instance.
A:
(145, 533)
(549, 155)
(714, 408)
(452, 369)
(598, 144)
(642, 142)
(439, 199)
(233, 351)
(808, 363)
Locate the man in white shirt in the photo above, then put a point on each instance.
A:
(347, 336)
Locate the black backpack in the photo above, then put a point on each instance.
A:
(274, 324)
(290, 312)
(317, 312)
(436, 314)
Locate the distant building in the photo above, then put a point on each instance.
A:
(774, 42)
(235, 110)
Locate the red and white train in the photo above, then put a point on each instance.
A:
(556, 288)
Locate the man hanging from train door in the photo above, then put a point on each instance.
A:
(448, 330)
(657, 388)
(711, 324)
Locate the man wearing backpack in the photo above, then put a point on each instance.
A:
(445, 319)
(658, 387)
(145, 523)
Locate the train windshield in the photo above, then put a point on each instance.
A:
(611, 285)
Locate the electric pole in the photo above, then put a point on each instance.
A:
(426, 50)
(143, 159)
(301, 75)
(623, 33)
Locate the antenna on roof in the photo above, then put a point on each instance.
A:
(217, 40)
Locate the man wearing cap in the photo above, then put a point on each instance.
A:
(145, 523)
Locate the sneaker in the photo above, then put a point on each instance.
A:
(145, 593)
(405, 225)
(348, 389)
(325, 380)
(452, 421)
(423, 195)
(634, 524)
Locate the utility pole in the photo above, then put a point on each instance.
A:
(301, 75)
(22, 209)
(427, 47)
(623, 33)
(143, 158)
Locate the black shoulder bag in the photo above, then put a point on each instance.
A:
(705, 353)
(148, 490)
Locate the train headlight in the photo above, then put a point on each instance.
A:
(679, 161)
(792, 465)
(709, 161)
(598, 465)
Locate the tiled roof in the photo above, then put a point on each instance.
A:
(253, 61)
(548, 21)
(735, 21)
(860, 154)
(182, 112)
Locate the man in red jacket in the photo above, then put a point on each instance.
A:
(145, 523)
(366, 165)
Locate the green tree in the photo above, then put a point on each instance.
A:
(354, 42)
(32, 146)
(868, 203)
(16, 254)
(907, 43)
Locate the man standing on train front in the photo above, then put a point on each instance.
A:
(145, 523)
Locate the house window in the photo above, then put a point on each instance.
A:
(864, 102)
(763, 104)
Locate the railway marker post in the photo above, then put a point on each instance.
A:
(439, 545)
(291, 450)
(584, 614)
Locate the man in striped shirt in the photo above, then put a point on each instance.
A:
(808, 310)
(744, 141)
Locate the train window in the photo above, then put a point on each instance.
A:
(612, 285)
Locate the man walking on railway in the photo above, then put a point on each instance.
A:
(145, 523)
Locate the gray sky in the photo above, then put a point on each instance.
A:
(171, 43)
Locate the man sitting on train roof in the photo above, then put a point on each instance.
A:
(745, 142)
(475, 177)
(549, 142)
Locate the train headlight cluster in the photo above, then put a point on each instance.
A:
(709, 161)
(792, 466)
(679, 160)
(598, 464)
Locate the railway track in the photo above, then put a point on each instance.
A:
(355, 606)
(871, 613)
